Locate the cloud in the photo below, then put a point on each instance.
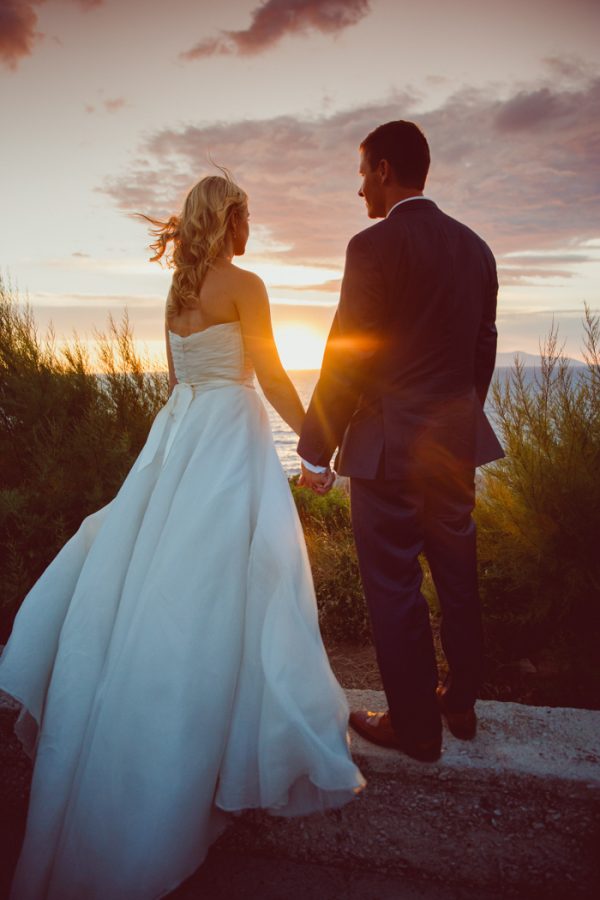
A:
(110, 106)
(519, 331)
(277, 18)
(524, 183)
(552, 259)
(570, 68)
(18, 32)
(323, 287)
(301, 175)
(115, 104)
(534, 268)
(512, 275)
(528, 109)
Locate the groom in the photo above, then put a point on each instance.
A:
(405, 374)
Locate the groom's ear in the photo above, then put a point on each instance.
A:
(384, 170)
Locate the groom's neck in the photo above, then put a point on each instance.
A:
(397, 193)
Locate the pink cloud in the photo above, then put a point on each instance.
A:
(114, 104)
(110, 106)
(326, 287)
(529, 108)
(18, 32)
(277, 18)
(523, 172)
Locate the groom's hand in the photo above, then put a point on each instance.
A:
(319, 482)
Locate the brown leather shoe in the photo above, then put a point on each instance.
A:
(377, 727)
(463, 724)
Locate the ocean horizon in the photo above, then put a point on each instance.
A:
(304, 381)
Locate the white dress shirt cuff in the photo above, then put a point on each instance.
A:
(318, 470)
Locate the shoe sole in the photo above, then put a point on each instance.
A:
(458, 732)
(421, 756)
(461, 736)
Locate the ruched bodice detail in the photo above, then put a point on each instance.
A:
(215, 355)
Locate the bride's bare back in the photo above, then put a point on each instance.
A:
(216, 303)
(231, 294)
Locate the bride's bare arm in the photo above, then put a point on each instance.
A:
(257, 332)
(172, 376)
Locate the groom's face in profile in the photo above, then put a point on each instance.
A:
(371, 188)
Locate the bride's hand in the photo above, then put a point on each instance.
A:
(331, 476)
(319, 482)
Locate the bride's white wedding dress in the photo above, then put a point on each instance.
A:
(169, 659)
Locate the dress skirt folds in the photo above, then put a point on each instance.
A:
(169, 660)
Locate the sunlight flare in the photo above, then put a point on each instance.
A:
(300, 346)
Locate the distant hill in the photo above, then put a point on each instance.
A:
(528, 359)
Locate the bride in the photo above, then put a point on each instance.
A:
(169, 661)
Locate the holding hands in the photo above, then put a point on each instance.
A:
(319, 482)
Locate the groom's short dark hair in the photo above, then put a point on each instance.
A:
(404, 146)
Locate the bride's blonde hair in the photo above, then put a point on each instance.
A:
(197, 236)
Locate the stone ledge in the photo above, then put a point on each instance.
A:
(543, 741)
(515, 812)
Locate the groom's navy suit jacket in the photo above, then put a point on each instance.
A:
(411, 351)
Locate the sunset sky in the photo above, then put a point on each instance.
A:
(115, 106)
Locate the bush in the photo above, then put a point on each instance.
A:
(538, 515)
(68, 436)
(330, 543)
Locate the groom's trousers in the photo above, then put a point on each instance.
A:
(394, 522)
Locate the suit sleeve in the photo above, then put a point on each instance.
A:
(355, 336)
(485, 352)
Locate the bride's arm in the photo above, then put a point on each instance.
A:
(257, 332)
(172, 377)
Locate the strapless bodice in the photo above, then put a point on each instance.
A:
(213, 356)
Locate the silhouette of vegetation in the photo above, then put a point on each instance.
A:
(328, 531)
(538, 517)
(68, 435)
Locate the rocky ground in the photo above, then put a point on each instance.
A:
(225, 875)
(236, 876)
(252, 861)
(229, 876)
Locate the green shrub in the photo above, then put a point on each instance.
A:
(328, 532)
(68, 436)
(342, 608)
(538, 514)
(331, 512)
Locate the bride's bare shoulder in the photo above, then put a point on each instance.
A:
(251, 286)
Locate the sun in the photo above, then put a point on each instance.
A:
(300, 346)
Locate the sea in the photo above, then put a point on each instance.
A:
(305, 381)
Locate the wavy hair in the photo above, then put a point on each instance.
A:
(197, 236)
